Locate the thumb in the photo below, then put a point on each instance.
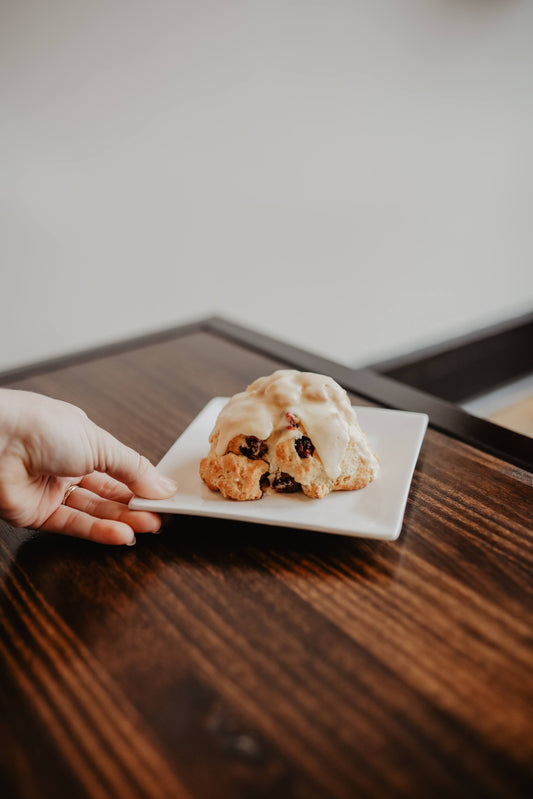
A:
(127, 466)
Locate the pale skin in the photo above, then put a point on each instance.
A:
(47, 445)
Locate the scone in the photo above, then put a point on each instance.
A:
(290, 431)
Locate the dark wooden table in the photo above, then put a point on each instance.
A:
(221, 659)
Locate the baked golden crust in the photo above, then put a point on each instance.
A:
(235, 476)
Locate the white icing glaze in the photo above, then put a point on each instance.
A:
(322, 406)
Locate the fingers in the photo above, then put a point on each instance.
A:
(106, 486)
(71, 521)
(127, 466)
(139, 521)
(101, 520)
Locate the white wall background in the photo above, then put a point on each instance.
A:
(355, 177)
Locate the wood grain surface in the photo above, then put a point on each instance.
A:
(221, 659)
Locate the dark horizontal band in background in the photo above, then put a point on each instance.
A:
(467, 367)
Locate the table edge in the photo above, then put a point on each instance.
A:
(444, 416)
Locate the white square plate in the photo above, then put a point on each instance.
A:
(372, 512)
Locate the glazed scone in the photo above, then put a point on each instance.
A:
(290, 431)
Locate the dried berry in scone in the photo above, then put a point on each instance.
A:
(304, 447)
(253, 448)
(291, 431)
(285, 483)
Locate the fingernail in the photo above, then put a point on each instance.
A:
(132, 542)
(167, 484)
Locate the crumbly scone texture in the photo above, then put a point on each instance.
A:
(283, 463)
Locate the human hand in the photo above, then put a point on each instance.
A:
(47, 445)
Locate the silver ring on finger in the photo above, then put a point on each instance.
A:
(68, 492)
